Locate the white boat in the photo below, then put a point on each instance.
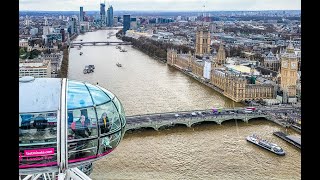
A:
(265, 144)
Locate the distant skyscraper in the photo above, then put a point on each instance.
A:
(45, 21)
(81, 14)
(102, 14)
(46, 30)
(73, 26)
(27, 23)
(33, 31)
(126, 23)
(63, 34)
(115, 20)
(133, 23)
(110, 17)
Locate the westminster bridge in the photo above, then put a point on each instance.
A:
(189, 118)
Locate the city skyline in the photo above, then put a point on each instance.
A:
(161, 5)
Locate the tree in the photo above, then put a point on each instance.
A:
(34, 53)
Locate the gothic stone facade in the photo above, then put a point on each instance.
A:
(232, 86)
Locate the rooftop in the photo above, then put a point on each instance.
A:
(37, 63)
(241, 69)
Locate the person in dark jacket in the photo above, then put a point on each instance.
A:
(40, 122)
(80, 127)
(104, 123)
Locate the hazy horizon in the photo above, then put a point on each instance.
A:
(161, 5)
(160, 10)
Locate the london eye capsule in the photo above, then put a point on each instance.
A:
(65, 124)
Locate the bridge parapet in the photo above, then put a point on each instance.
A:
(193, 120)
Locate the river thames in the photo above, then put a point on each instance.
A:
(205, 151)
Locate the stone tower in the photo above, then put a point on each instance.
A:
(289, 67)
(221, 56)
(172, 55)
(203, 41)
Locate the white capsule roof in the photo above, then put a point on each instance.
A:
(43, 94)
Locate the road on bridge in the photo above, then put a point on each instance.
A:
(286, 111)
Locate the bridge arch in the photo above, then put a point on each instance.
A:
(207, 121)
(242, 119)
(145, 128)
(257, 117)
(169, 125)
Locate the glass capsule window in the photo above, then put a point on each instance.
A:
(95, 125)
(78, 95)
(109, 119)
(82, 123)
(121, 110)
(108, 143)
(98, 114)
(98, 96)
(82, 150)
(37, 139)
(37, 127)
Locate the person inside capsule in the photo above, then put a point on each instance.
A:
(40, 122)
(104, 123)
(81, 127)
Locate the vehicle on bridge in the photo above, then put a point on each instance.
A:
(216, 110)
(251, 108)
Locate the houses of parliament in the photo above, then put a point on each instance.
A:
(235, 81)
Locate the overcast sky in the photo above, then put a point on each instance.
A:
(154, 5)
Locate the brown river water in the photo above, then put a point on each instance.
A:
(205, 151)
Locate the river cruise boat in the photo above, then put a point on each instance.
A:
(119, 65)
(88, 69)
(265, 144)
